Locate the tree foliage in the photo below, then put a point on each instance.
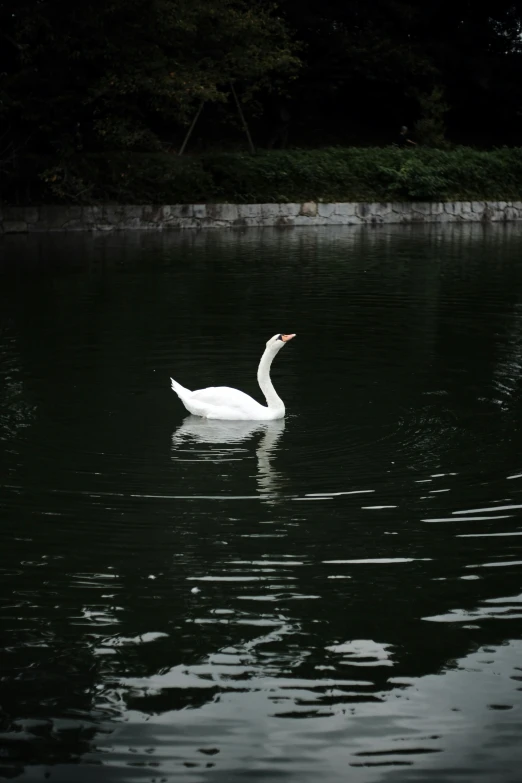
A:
(116, 74)
(106, 76)
(370, 67)
(330, 175)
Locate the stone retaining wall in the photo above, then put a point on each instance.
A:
(15, 220)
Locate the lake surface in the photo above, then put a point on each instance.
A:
(336, 596)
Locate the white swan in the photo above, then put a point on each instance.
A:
(222, 402)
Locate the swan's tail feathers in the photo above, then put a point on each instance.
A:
(179, 389)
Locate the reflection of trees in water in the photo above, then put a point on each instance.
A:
(123, 641)
(279, 672)
(508, 368)
(49, 678)
(338, 725)
(16, 412)
(246, 274)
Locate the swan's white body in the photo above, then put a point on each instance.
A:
(222, 402)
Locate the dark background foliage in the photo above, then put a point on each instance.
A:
(97, 97)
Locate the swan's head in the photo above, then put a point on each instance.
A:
(278, 340)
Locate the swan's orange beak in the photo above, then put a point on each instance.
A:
(286, 337)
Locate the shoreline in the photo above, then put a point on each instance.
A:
(101, 218)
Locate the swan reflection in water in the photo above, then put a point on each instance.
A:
(197, 430)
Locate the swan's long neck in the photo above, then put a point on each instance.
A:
(273, 400)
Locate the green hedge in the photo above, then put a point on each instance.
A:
(335, 174)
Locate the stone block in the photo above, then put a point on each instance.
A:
(345, 209)
(325, 210)
(452, 207)
(153, 214)
(362, 210)
(244, 222)
(171, 212)
(510, 213)
(183, 222)
(71, 225)
(176, 211)
(52, 218)
(132, 211)
(422, 207)
(113, 214)
(349, 220)
(495, 215)
(418, 213)
(249, 211)
(72, 218)
(222, 212)
(13, 214)
(270, 213)
(166, 214)
(375, 212)
(229, 212)
(199, 211)
(386, 217)
(15, 227)
(212, 223)
(400, 207)
(21, 214)
(91, 216)
(308, 209)
(487, 213)
(131, 216)
(352, 220)
(304, 220)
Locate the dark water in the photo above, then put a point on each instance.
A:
(334, 597)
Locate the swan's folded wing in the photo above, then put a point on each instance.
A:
(222, 397)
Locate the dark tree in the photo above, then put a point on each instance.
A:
(117, 74)
(104, 76)
(370, 67)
